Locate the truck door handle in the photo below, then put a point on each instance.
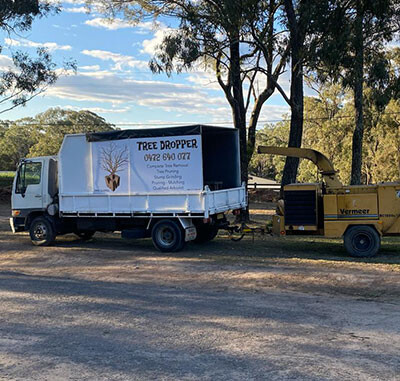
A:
(38, 196)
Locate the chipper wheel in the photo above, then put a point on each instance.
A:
(362, 241)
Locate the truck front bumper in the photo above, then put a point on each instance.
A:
(17, 224)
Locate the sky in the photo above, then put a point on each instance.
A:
(113, 78)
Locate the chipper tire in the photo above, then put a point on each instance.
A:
(362, 241)
(42, 232)
(168, 236)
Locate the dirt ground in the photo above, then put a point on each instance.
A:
(269, 308)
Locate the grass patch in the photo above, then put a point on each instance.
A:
(6, 179)
(307, 248)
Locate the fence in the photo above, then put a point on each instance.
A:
(253, 186)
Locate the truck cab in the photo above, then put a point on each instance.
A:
(34, 191)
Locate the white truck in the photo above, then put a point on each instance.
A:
(172, 184)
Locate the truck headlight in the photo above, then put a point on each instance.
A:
(15, 213)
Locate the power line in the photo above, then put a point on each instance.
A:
(175, 124)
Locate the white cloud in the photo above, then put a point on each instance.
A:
(90, 67)
(271, 113)
(5, 63)
(117, 23)
(151, 46)
(59, 2)
(395, 43)
(114, 24)
(76, 10)
(204, 79)
(149, 26)
(107, 88)
(120, 60)
(30, 44)
(97, 110)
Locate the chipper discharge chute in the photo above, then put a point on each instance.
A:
(361, 214)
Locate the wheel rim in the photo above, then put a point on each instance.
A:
(362, 242)
(40, 232)
(166, 236)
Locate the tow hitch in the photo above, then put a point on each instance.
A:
(236, 233)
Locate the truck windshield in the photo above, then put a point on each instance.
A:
(28, 174)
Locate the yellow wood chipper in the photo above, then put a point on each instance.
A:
(361, 214)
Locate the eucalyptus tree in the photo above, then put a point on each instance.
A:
(353, 51)
(24, 77)
(240, 41)
(52, 125)
(43, 134)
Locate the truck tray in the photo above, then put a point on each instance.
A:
(194, 204)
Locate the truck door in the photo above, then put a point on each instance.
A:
(28, 185)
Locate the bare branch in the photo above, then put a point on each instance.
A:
(113, 159)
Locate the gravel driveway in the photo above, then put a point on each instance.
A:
(114, 310)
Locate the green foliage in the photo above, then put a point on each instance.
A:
(206, 31)
(52, 125)
(349, 45)
(381, 161)
(29, 76)
(6, 179)
(43, 134)
(328, 127)
(19, 15)
(16, 142)
(337, 36)
(270, 166)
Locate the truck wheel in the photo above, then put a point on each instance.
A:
(85, 235)
(42, 232)
(168, 236)
(362, 241)
(205, 233)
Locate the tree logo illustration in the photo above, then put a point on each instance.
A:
(113, 159)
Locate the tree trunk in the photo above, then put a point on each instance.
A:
(398, 149)
(255, 114)
(238, 110)
(358, 134)
(296, 126)
(296, 94)
(270, 88)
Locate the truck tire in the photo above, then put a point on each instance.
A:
(168, 236)
(85, 235)
(362, 241)
(42, 232)
(205, 233)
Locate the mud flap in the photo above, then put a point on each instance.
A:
(189, 228)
